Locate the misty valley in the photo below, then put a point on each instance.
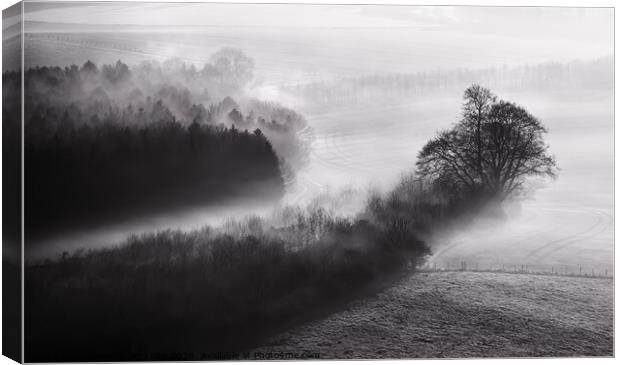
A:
(286, 192)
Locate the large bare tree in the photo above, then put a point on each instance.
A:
(491, 151)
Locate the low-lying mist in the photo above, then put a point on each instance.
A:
(114, 141)
(152, 90)
(381, 89)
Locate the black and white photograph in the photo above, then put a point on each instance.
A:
(209, 181)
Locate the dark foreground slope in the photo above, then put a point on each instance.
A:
(464, 314)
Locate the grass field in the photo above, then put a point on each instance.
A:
(465, 314)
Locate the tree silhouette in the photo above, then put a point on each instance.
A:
(490, 152)
(232, 66)
(116, 73)
(96, 153)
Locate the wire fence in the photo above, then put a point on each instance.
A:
(530, 269)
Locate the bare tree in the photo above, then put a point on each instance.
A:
(476, 107)
(233, 66)
(491, 151)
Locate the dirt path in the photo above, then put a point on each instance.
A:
(465, 314)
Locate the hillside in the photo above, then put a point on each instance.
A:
(464, 314)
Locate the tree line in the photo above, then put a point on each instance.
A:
(93, 94)
(96, 148)
(387, 88)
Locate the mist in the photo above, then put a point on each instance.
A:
(102, 112)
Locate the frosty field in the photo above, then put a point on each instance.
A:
(465, 314)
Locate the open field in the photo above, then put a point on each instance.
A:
(465, 314)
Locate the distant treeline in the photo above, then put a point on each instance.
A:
(96, 94)
(96, 147)
(394, 87)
